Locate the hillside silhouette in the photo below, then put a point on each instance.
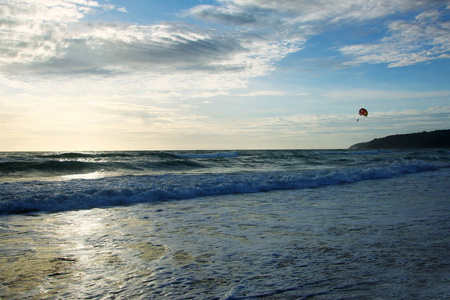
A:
(433, 139)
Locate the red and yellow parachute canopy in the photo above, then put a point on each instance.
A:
(363, 112)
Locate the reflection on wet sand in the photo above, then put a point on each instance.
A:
(45, 255)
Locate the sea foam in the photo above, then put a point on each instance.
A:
(19, 197)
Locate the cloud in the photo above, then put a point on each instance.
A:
(408, 120)
(424, 38)
(48, 48)
(250, 11)
(51, 37)
(264, 93)
(122, 9)
(34, 31)
(370, 94)
(228, 14)
(43, 40)
(125, 48)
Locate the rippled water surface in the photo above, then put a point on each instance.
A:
(372, 239)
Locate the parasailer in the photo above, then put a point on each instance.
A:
(362, 112)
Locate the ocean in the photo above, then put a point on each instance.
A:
(245, 224)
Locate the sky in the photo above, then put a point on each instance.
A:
(79, 75)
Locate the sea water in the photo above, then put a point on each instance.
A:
(286, 224)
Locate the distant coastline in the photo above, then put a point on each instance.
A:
(433, 139)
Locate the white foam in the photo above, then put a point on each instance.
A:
(350, 241)
(203, 155)
(81, 194)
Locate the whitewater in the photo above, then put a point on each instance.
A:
(246, 224)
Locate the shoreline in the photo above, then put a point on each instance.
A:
(348, 240)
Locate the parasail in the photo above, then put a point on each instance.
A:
(363, 112)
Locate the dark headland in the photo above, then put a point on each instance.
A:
(433, 139)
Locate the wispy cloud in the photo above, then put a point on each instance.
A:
(407, 119)
(32, 30)
(370, 94)
(48, 47)
(52, 37)
(61, 70)
(227, 14)
(290, 12)
(265, 93)
(58, 41)
(425, 38)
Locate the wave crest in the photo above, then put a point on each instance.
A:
(202, 155)
(82, 194)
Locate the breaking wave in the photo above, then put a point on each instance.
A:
(203, 155)
(19, 197)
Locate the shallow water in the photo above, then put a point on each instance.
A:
(373, 239)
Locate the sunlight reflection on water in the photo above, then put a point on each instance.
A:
(346, 241)
(93, 175)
